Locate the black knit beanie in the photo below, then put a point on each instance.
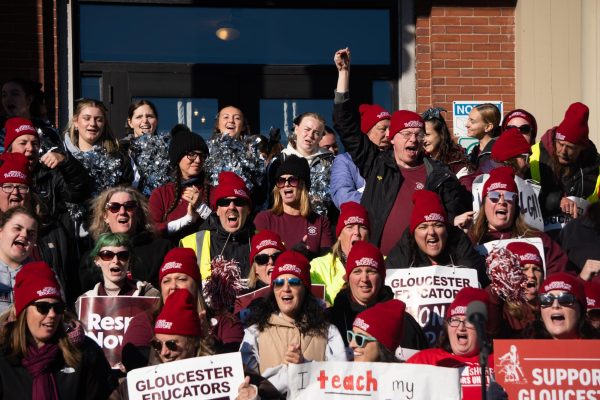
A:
(183, 141)
(297, 166)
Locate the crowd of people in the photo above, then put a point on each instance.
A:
(172, 216)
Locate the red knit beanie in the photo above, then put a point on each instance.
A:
(405, 119)
(527, 253)
(34, 281)
(364, 254)
(265, 239)
(294, 263)
(501, 178)
(371, 114)
(592, 294)
(526, 115)
(179, 315)
(574, 127)
(352, 213)
(463, 298)
(16, 127)
(427, 207)
(385, 322)
(567, 282)
(230, 185)
(14, 169)
(510, 144)
(181, 260)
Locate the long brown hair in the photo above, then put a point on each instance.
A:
(519, 227)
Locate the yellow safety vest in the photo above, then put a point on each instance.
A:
(199, 240)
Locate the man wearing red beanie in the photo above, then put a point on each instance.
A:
(14, 181)
(392, 175)
(228, 230)
(566, 163)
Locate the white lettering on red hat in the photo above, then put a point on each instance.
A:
(266, 243)
(530, 257)
(24, 128)
(163, 324)
(367, 261)
(172, 265)
(290, 268)
(415, 123)
(518, 114)
(459, 310)
(312, 230)
(15, 174)
(560, 136)
(360, 323)
(48, 291)
(591, 303)
(434, 217)
(558, 285)
(384, 114)
(354, 220)
(497, 185)
(240, 192)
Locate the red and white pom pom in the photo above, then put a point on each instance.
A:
(508, 280)
(224, 284)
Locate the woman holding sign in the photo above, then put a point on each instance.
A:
(38, 360)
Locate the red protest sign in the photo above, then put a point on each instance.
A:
(105, 319)
(548, 369)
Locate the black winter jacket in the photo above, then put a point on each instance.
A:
(384, 177)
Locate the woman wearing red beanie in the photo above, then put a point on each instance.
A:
(265, 247)
(38, 360)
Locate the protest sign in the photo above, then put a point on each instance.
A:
(428, 291)
(529, 203)
(213, 377)
(105, 319)
(558, 221)
(548, 369)
(346, 380)
(485, 248)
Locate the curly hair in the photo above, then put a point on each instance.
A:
(143, 222)
(107, 138)
(310, 318)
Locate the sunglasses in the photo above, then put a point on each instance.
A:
(522, 128)
(158, 345)
(192, 155)
(434, 112)
(263, 259)
(291, 180)
(564, 299)
(293, 282)
(509, 197)
(237, 201)
(43, 307)
(114, 207)
(107, 255)
(455, 323)
(360, 340)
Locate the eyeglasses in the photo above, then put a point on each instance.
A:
(263, 259)
(192, 155)
(455, 323)
(509, 197)
(293, 282)
(407, 135)
(114, 207)
(291, 180)
(107, 255)
(158, 345)
(522, 128)
(43, 307)
(237, 201)
(564, 299)
(9, 187)
(359, 339)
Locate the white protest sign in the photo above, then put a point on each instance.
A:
(529, 203)
(211, 377)
(485, 248)
(460, 114)
(344, 380)
(428, 291)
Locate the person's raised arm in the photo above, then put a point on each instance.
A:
(342, 62)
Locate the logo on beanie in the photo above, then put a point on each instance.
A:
(240, 192)
(266, 243)
(48, 291)
(360, 323)
(497, 185)
(434, 217)
(518, 114)
(172, 265)
(591, 303)
(368, 262)
(24, 128)
(15, 174)
(413, 124)
(354, 220)
(530, 257)
(290, 268)
(560, 136)
(384, 114)
(558, 285)
(163, 324)
(312, 230)
(460, 310)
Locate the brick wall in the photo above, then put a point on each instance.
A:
(465, 53)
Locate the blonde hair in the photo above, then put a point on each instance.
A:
(298, 120)
(490, 115)
(519, 227)
(107, 139)
(305, 208)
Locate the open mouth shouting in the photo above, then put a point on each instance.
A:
(21, 244)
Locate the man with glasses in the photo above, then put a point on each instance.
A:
(392, 175)
(14, 181)
(228, 230)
